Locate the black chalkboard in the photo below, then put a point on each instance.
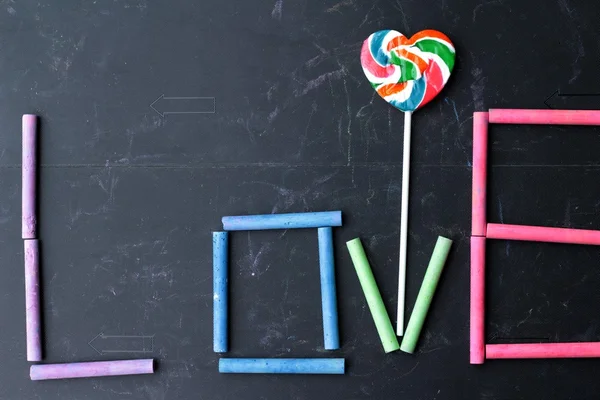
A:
(129, 193)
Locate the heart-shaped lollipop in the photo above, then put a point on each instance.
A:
(407, 73)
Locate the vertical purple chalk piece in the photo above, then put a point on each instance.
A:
(29, 222)
(42, 372)
(32, 300)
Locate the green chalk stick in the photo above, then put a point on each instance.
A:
(374, 300)
(430, 281)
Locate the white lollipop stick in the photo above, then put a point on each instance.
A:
(403, 223)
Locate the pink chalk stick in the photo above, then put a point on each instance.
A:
(29, 166)
(543, 234)
(477, 326)
(480, 139)
(543, 350)
(32, 301)
(544, 117)
(91, 369)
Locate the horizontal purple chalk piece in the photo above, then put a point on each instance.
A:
(282, 221)
(29, 182)
(33, 323)
(91, 369)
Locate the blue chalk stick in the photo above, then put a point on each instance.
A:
(328, 295)
(282, 221)
(281, 365)
(220, 256)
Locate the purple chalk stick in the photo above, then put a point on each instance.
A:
(32, 301)
(91, 369)
(29, 222)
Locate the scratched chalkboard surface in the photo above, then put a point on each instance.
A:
(133, 179)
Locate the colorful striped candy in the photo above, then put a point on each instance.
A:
(407, 73)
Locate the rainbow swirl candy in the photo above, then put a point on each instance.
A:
(407, 73)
